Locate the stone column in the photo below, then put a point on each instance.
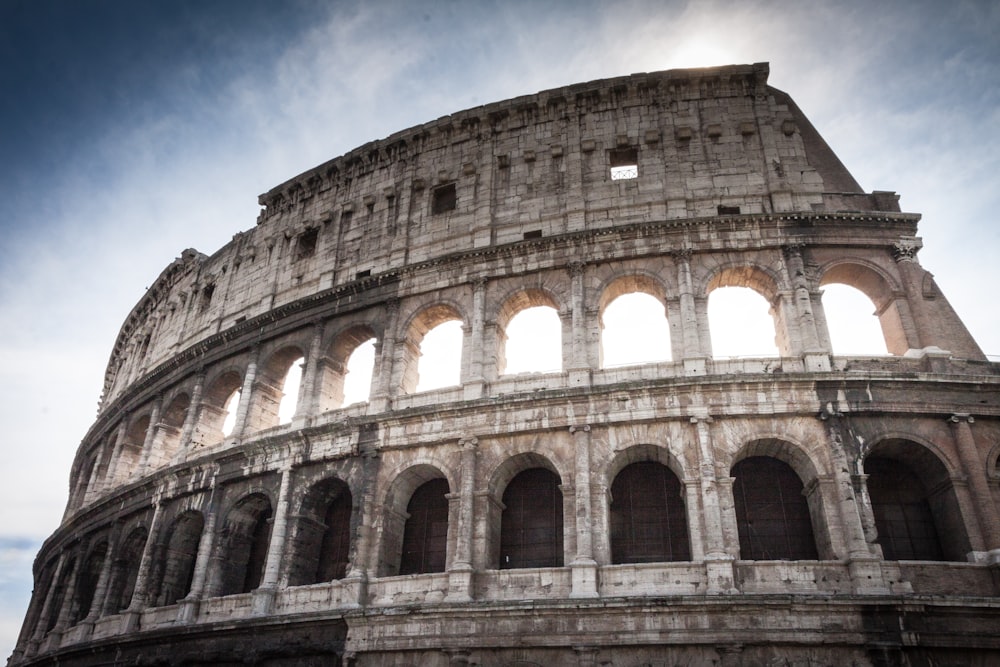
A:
(188, 607)
(975, 471)
(246, 395)
(718, 562)
(460, 575)
(361, 557)
(263, 595)
(473, 381)
(40, 624)
(579, 366)
(583, 566)
(385, 350)
(306, 407)
(691, 348)
(813, 355)
(147, 443)
(191, 419)
(66, 604)
(111, 476)
(130, 617)
(98, 604)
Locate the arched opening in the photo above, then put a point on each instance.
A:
(218, 411)
(125, 571)
(648, 517)
(169, 429)
(425, 533)
(851, 321)
(531, 526)
(914, 504)
(131, 450)
(532, 342)
(230, 410)
(772, 514)
(433, 350)
(322, 535)
(59, 593)
(358, 373)
(396, 513)
(243, 544)
(290, 391)
(741, 323)
(634, 330)
(86, 584)
(345, 375)
(175, 565)
(440, 362)
(275, 395)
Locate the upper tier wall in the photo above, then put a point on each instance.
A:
(704, 142)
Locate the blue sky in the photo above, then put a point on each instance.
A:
(133, 130)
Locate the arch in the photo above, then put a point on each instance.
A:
(130, 453)
(648, 517)
(529, 333)
(913, 502)
(633, 322)
(276, 388)
(853, 325)
(880, 289)
(425, 532)
(746, 319)
(396, 512)
(449, 363)
(758, 278)
(772, 514)
(169, 429)
(217, 414)
(322, 534)
(125, 571)
(531, 523)
(58, 597)
(243, 544)
(86, 583)
(339, 373)
(174, 568)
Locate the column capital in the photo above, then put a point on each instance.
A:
(576, 268)
(906, 249)
(682, 254)
(581, 428)
(469, 442)
(960, 417)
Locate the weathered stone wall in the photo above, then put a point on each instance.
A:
(178, 535)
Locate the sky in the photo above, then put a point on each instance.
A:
(130, 131)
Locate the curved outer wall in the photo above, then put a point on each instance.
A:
(284, 543)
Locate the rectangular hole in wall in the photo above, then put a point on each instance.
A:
(362, 274)
(624, 164)
(533, 234)
(728, 210)
(443, 198)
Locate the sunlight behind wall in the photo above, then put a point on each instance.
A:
(232, 403)
(358, 380)
(635, 331)
(850, 317)
(441, 357)
(740, 323)
(534, 341)
(290, 389)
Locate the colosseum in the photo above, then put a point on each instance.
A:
(801, 508)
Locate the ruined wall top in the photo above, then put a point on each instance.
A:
(691, 144)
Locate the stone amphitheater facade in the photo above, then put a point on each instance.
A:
(804, 509)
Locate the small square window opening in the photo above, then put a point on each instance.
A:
(624, 164)
(443, 199)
